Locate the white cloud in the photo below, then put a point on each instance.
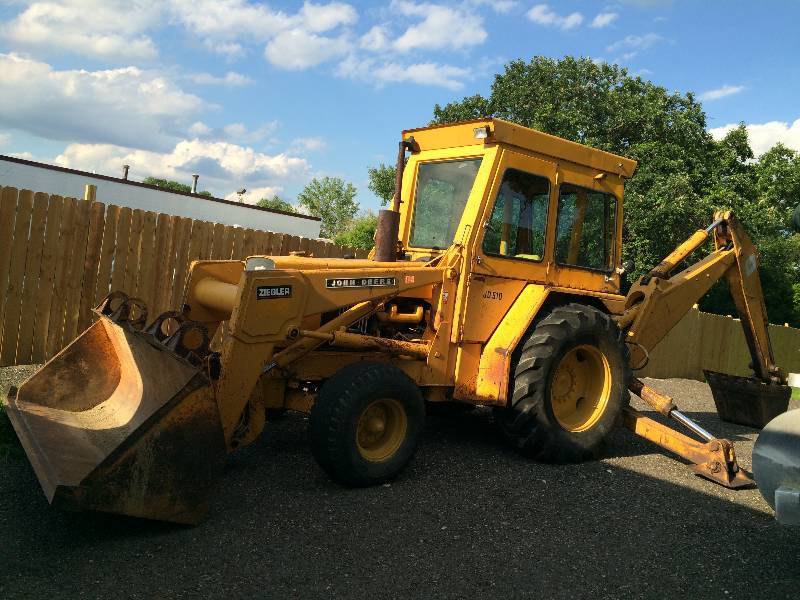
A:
(542, 14)
(252, 196)
(126, 106)
(226, 26)
(636, 42)
(324, 17)
(604, 19)
(199, 129)
(231, 79)
(5, 138)
(106, 29)
(722, 92)
(222, 166)
(498, 6)
(428, 73)
(230, 50)
(375, 40)
(764, 136)
(297, 49)
(238, 132)
(230, 20)
(441, 27)
(308, 144)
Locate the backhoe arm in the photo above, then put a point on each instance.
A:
(659, 300)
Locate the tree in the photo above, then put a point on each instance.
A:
(381, 182)
(332, 200)
(276, 203)
(360, 233)
(175, 186)
(602, 106)
(683, 173)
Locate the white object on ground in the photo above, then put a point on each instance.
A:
(776, 466)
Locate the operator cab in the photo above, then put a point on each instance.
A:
(525, 205)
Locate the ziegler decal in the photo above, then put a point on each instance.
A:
(360, 282)
(270, 292)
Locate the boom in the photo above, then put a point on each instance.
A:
(656, 303)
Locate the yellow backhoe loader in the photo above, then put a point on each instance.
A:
(495, 281)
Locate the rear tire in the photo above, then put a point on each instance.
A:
(568, 387)
(366, 423)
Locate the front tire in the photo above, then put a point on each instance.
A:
(366, 423)
(568, 387)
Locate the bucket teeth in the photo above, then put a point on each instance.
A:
(123, 310)
(172, 330)
(156, 328)
(190, 330)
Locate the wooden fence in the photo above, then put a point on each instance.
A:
(706, 341)
(60, 256)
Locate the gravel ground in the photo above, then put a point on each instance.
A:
(468, 518)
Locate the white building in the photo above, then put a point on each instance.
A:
(41, 177)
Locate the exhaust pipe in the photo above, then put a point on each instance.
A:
(388, 229)
(195, 177)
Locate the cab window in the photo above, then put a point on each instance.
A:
(587, 224)
(442, 192)
(518, 223)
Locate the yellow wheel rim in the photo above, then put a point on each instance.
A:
(381, 429)
(580, 388)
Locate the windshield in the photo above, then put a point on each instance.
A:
(442, 192)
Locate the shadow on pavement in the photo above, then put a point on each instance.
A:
(468, 518)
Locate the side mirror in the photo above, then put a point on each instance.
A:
(796, 219)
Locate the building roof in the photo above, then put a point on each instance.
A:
(33, 163)
(505, 132)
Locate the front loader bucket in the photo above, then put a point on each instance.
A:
(746, 401)
(118, 423)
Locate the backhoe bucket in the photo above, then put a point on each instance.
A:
(746, 401)
(119, 423)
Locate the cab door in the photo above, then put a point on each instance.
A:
(512, 244)
(588, 230)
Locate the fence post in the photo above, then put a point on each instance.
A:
(90, 192)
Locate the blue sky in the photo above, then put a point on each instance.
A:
(266, 95)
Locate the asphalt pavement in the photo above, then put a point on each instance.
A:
(468, 518)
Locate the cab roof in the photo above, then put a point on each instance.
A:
(504, 132)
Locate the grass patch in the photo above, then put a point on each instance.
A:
(796, 394)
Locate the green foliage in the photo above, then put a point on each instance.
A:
(471, 107)
(332, 200)
(276, 203)
(381, 182)
(360, 232)
(174, 186)
(683, 174)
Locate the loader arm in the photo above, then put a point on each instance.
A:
(659, 300)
